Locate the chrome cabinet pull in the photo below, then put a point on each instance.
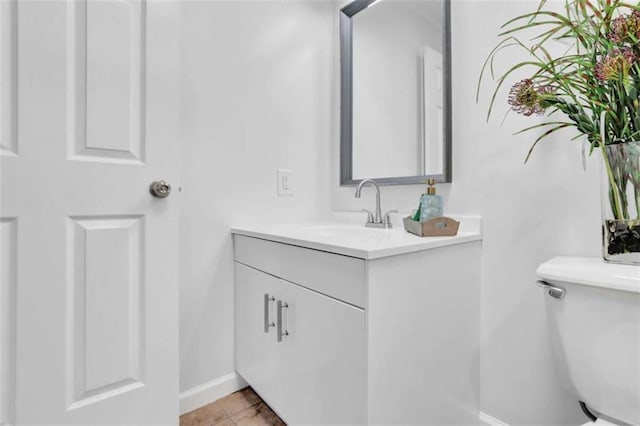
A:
(267, 324)
(554, 291)
(281, 305)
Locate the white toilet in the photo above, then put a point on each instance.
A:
(593, 309)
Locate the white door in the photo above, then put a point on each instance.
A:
(89, 118)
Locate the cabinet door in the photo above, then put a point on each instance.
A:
(256, 357)
(322, 360)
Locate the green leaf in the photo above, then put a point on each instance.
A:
(544, 135)
(539, 125)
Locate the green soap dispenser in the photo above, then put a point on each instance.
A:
(430, 203)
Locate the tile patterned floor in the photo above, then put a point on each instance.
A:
(242, 408)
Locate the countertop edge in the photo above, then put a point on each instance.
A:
(437, 242)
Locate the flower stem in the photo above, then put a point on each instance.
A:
(614, 195)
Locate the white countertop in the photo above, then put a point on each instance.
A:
(591, 271)
(354, 240)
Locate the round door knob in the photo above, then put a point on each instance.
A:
(160, 189)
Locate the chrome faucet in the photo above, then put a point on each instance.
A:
(375, 220)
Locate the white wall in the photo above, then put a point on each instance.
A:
(531, 213)
(257, 84)
(260, 84)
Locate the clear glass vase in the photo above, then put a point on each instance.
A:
(621, 203)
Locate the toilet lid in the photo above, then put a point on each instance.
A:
(591, 271)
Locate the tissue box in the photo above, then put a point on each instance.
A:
(436, 227)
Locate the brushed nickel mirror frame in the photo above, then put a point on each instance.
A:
(346, 101)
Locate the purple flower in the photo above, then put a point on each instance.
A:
(625, 28)
(526, 97)
(615, 64)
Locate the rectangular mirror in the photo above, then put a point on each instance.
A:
(395, 91)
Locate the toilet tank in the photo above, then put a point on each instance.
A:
(595, 332)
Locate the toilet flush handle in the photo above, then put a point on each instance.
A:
(554, 291)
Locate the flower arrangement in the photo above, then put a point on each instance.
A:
(593, 87)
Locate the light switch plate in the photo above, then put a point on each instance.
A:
(285, 182)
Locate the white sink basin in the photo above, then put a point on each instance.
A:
(342, 231)
(352, 240)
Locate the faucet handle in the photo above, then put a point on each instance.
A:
(369, 215)
(387, 216)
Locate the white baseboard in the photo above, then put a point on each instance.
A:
(225, 385)
(210, 391)
(486, 419)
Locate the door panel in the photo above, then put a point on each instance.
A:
(8, 225)
(322, 360)
(8, 142)
(107, 63)
(96, 266)
(256, 351)
(8, 229)
(105, 312)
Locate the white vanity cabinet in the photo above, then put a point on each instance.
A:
(376, 339)
(315, 373)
